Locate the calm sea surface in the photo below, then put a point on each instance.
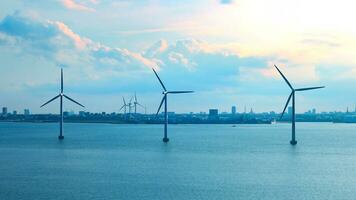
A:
(104, 161)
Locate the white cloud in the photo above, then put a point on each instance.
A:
(72, 4)
(59, 44)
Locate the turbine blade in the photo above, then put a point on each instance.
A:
(73, 100)
(310, 88)
(135, 97)
(123, 98)
(284, 77)
(179, 92)
(122, 107)
(61, 80)
(159, 79)
(285, 107)
(159, 108)
(140, 105)
(50, 101)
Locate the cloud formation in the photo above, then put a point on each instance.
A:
(198, 64)
(244, 43)
(71, 4)
(56, 42)
(188, 62)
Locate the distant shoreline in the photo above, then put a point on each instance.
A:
(116, 122)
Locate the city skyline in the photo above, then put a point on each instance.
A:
(206, 49)
(233, 110)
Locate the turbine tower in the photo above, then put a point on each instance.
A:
(136, 103)
(130, 105)
(61, 95)
(292, 95)
(164, 100)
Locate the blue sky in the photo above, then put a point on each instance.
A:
(223, 50)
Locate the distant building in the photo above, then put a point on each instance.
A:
(213, 112)
(81, 113)
(26, 112)
(233, 110)
(290, 110)
(314, 111)
(65, 113)
(4, 110)
(14, 112)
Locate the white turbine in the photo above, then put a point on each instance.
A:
(61, 95)
(292, 94)
(164, 100)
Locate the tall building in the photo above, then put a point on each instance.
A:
(313, 111)
(26, 112)
(233, 110)
(213, 112)
(290, 110)
(14, 112)
(4, 110)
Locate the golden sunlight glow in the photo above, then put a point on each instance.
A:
(302, 32)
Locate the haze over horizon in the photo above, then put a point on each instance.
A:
(223, 50)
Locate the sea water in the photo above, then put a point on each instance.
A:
(112, 161)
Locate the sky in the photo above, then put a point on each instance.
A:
(224, 50)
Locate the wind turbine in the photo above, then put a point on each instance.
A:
(292, 95)
(130, 105)
(61, 95)
(164, 100)
(124, 105)
(136, 103)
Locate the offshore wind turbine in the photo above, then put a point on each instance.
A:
(165, 93)
(124, 105)
(60, 96)
(292, 95)
(130, 105)
(136, 103)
